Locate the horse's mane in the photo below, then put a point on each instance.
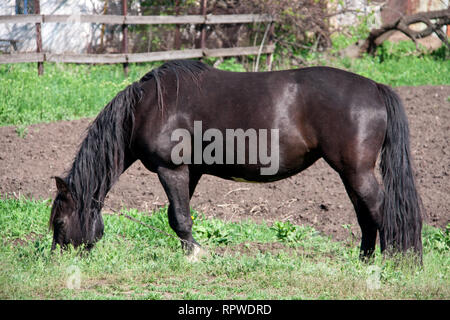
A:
(183, 70)
(100, 159)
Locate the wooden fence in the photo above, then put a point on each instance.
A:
(266, 46)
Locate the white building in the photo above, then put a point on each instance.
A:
(56, 37)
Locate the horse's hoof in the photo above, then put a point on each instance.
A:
(197, 253)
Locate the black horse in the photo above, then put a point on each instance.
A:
(317, 112)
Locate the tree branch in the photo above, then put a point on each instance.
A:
(440, 17)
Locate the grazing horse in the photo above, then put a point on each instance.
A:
(314, 113)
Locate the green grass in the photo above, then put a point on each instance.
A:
(409, 71)
(248, 261)
(401, 65)
(64, 92)
(69, 91)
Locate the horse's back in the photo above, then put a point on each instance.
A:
(316, 110)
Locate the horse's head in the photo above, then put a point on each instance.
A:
(65, 220)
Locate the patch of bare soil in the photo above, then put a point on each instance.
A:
(314, 197)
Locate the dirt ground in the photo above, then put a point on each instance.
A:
(314, 197)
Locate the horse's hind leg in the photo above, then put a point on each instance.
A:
(367, 198)
(356, 169)
(179, 184)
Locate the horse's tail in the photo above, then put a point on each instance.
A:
(402, 208)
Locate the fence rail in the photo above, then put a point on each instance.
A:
(134, 57)
(119, 19)
(124, 20)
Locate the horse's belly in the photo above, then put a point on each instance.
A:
(291, 159)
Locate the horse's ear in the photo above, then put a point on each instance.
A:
(62, 186)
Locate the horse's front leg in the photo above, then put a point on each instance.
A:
(177, 183)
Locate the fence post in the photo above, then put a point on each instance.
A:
(125, 36)
(177, 38)
(40, 64)
(270, 42)
(203, 27)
